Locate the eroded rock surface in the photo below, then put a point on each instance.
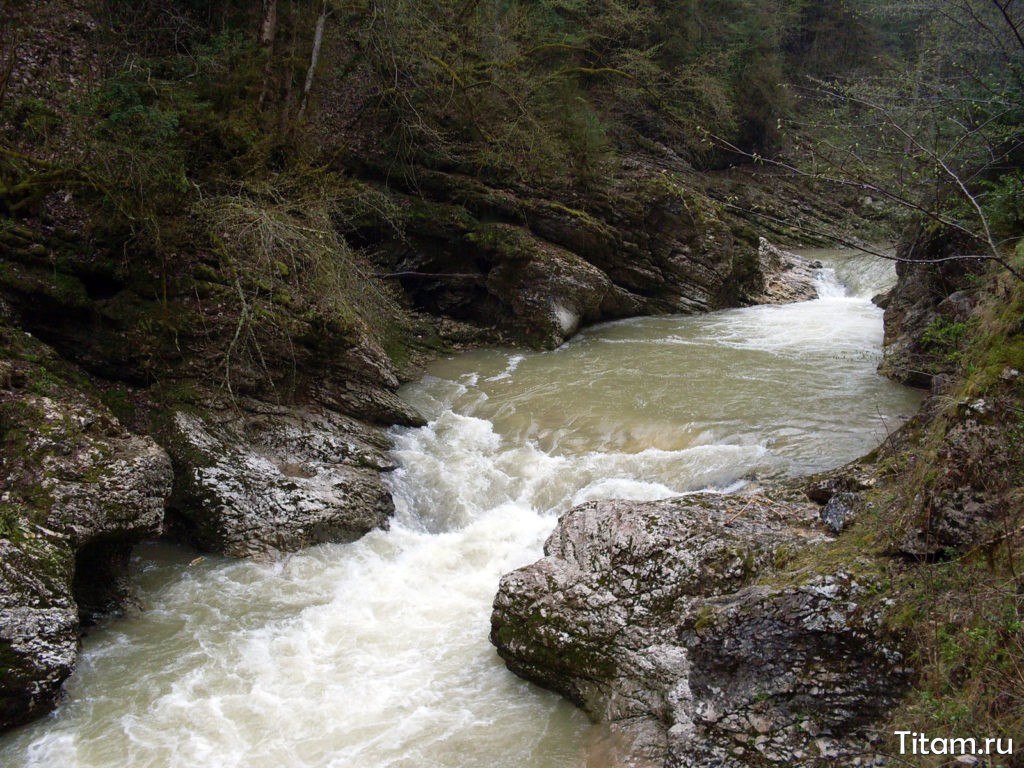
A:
(924, 307)
(536, 268)
(263, 479)
(77, 492)
(663, 622)
(785, 277)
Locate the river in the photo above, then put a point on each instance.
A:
(375, 654)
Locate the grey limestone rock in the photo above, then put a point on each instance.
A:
(840, 510)
(260, 479)
(548, 290)
(662, 621)
(77, 492)
(786, 277)
(924, 295)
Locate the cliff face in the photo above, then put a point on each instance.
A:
(925, 312)
(220, 316)
(537, 268)
(78, 491)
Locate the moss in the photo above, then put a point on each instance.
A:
(583, 218)
(705, 619)
(943, 339)
(508, 242)
(63, 289)
(407, 346)
(206, 273)
(169, 392)
(10, 522)
(782, 557)
(120, 404)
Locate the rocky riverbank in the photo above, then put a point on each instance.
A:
(784, 627)
(678, 627)
(213, 356)
(210, 408)
(78, 491)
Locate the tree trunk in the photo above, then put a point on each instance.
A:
(268, 32)
(284, 117)
(318, 39)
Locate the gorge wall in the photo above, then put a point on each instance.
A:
(230, 390)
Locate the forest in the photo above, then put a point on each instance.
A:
(198, 127)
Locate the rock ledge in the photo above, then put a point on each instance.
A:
(663, 622)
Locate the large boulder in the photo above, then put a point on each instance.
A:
(663, 621)
(78, 491)
(254, 479)
(785, 277)
(547, 290)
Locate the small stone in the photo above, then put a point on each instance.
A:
(840, 511)
(826, 747)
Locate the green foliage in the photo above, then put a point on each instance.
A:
(538, 89)
(943, 337)
(10, 527)
(1004, 204)
(283, 256)
(937, 125)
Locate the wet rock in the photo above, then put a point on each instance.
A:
(38, 627)
(848, 479)
(256, 480)
(547, 290)
(925, 293)
(661, 620)
(534, 267)
(78, 491)
(785, 277)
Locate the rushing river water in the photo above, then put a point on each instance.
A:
(375, 653)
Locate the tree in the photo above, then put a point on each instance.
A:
(314, 57)
(268, 33)
(936, 130)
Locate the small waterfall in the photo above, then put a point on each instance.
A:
(856, 274)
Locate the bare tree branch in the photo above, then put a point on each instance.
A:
(1004, 9)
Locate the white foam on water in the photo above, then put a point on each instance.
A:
(375, 654)
(828, 284)
(513, 363)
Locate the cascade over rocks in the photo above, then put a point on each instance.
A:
(662, 620)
